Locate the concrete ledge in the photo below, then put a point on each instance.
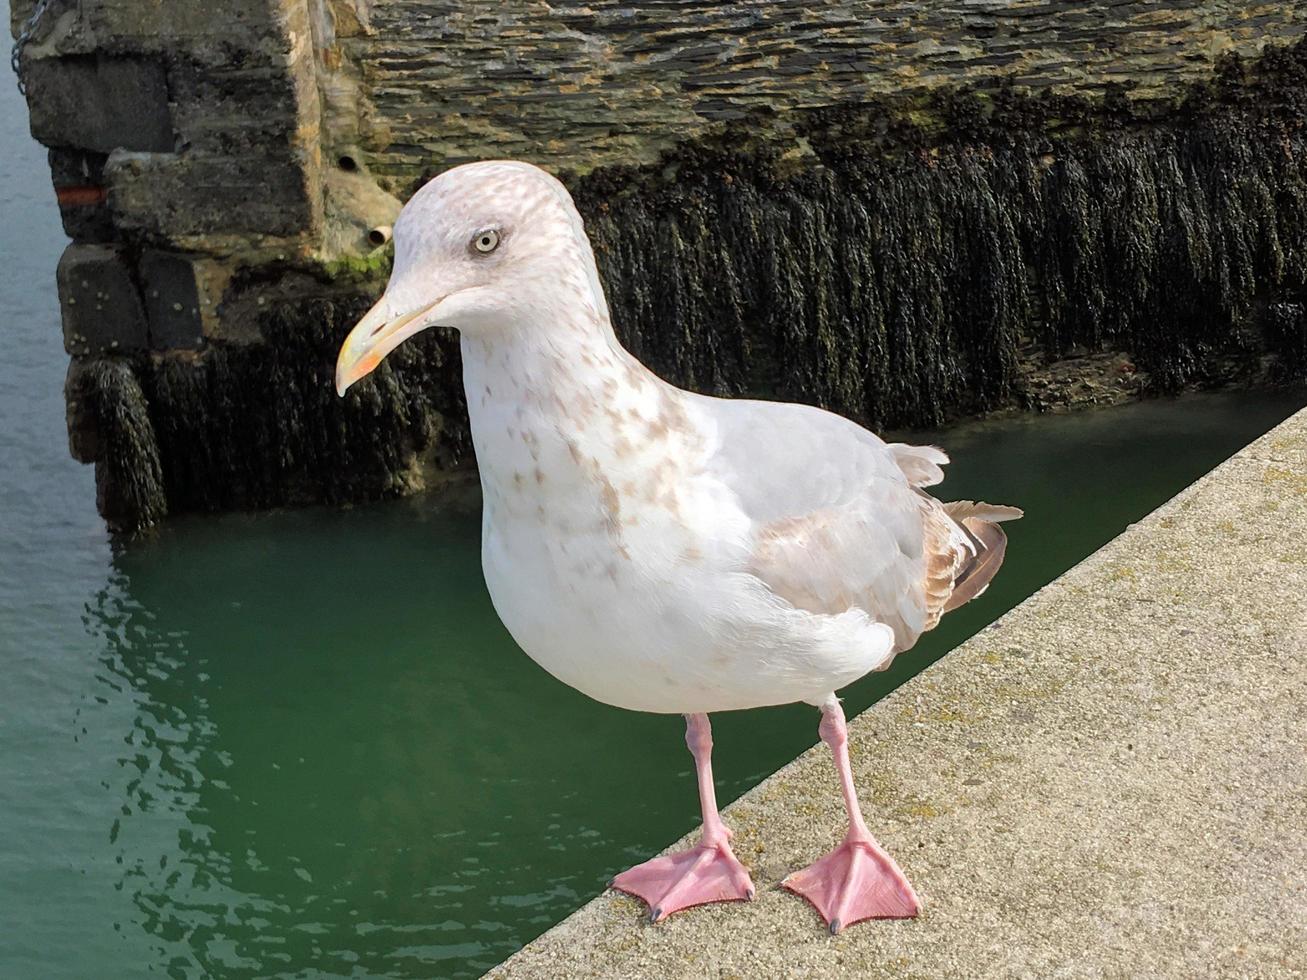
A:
(1109, 781)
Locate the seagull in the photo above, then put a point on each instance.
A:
(666, 551)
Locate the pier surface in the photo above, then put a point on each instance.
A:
(1111, 780)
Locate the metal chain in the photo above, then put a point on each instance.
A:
(24, 38)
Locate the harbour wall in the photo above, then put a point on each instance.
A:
(901, 211)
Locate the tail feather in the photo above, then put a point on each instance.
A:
(961, 509)
(979, 521)
(920, 464)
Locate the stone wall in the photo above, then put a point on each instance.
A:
(574, 85)
(899, 210)
(186, 143)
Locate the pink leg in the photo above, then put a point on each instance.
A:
(708, 872)
(857, 880)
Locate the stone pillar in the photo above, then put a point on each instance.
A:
(186, 147)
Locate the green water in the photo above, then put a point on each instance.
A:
(300, 743)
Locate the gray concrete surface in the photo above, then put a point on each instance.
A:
(1110, 781)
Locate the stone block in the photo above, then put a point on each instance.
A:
(358, 212)
(182, 295)
(186, 198)
(231, 111)
(99, 103)
(78, 177)
(250, 33)
(102, 311)
(19, 12)
(160, 21)
(84, 439)
(351, 18)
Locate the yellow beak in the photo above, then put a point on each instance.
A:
(372, 339)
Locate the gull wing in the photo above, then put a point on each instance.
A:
(838, 522)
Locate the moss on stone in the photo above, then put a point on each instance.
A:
(360, 270)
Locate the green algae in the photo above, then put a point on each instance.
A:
(371, 268)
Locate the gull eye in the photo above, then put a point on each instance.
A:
(485, 241)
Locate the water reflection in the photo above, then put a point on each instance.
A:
(330, 757)
(338, 757)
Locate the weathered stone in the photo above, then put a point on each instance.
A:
(101, 307)
(351, 17)
(184, 198)
(78, 177)
(235, 110)
(99, 103)
(250, 26)
(19, 12)
(259, 93)
(114, 428)
(182, 293)
(638, 69)
(356, 208)
(109, 425)
(84, 440)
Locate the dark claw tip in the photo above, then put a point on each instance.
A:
(655, 915)
(612, 881)
(834, 927)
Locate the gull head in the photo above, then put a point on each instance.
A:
(484, 246)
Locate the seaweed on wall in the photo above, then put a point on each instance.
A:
(896, 263)
(129, 487)
(260, 425)
(895, 278)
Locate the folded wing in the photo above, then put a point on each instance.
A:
(840, 521)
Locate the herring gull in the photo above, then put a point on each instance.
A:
(661, 550)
